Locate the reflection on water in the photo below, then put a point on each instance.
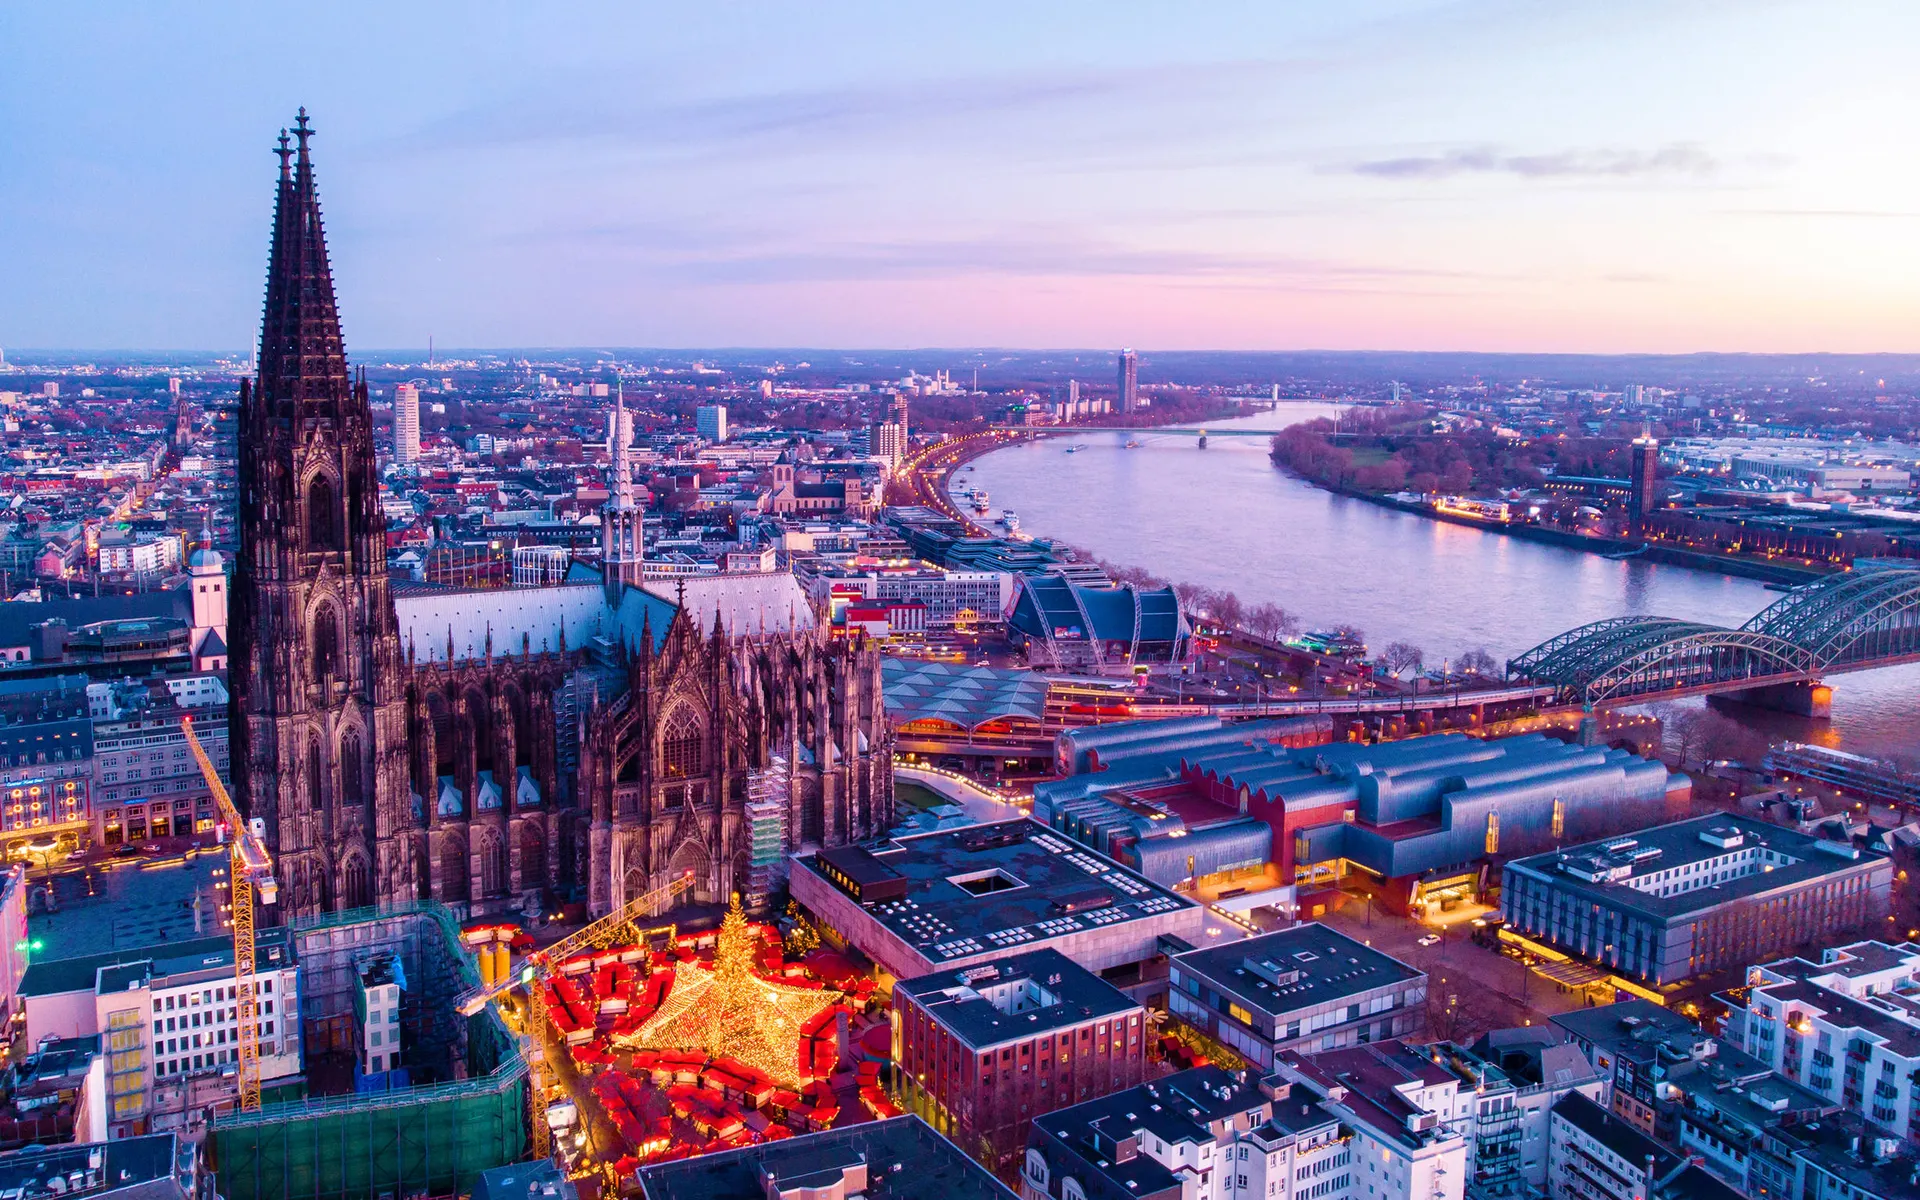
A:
(1226, 518)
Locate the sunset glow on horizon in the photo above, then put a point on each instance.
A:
(1389, 175)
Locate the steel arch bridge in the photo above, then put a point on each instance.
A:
(1844, 623)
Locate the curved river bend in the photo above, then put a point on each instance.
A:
(1225, 517)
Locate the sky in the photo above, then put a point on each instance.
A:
(1370, 174)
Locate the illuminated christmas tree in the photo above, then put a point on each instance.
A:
(732, 1012)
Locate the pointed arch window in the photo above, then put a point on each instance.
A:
(358, 891)
(323, 515)
(325, 643)
(316, 778)
(352, 785)
(682, 747)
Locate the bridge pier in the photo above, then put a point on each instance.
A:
(1588, 731)
(1810, 698)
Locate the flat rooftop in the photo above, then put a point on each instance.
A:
(1689, 866)
(995, 887)
(1829, 1142)
(176, 962)
(104, 1167)
(1628, 1020)
(1178, 1108)
(1015, 998)
(1296, 968)
(135, 902)
(1372, 1075)
(897, 1159)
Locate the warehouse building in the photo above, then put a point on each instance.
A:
(1686, 899)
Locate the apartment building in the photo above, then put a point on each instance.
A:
(1845, 1025)
(1595, 1155)
(1202, 1134)
(147, 783)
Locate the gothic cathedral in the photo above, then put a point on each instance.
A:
(511, 748)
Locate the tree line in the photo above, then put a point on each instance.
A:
(1222, 608)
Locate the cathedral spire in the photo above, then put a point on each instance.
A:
(621, 522)
(622, 489)
(303, 364)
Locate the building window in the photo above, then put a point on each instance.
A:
(682, 745)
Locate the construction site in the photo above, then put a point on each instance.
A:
(459, 1108)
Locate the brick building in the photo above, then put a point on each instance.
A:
(983, 1050)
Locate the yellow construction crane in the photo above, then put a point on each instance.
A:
(621, 925)
(251, 869)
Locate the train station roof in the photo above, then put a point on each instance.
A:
(962, 695)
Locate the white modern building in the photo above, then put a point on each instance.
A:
(1495, 1096)
(889, 442)
(168, 1017)
(1846, 1027)
(406, 424)
(710, 422)
(1201, 1134)
(377, 983)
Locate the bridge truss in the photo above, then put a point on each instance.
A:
(1847, 622)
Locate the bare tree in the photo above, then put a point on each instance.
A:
(1478, 662)
(1227, 609)
(1270, 621)
(1402, 656)
(1195, 600)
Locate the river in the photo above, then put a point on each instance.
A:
(1225, 517)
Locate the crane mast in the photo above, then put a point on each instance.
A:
(250, 872)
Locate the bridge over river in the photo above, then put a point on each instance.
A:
(1851, 622)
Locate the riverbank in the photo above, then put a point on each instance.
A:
(1224, 518)
(1606, 547)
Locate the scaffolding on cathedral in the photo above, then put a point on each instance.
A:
(732, 1012)
(769, 798)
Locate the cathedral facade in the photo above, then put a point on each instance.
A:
(505, 748)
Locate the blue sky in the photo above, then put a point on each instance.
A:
(1412, 175)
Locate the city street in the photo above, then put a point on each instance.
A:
(1488, 989)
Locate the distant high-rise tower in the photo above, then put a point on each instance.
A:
(900, 416)
(1645, 497)
(406, 424)
(1073, 397)
(710, 422)
(622, 554)
(887, 443)
(1129, 398)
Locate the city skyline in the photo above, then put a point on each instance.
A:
(1392, 176)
